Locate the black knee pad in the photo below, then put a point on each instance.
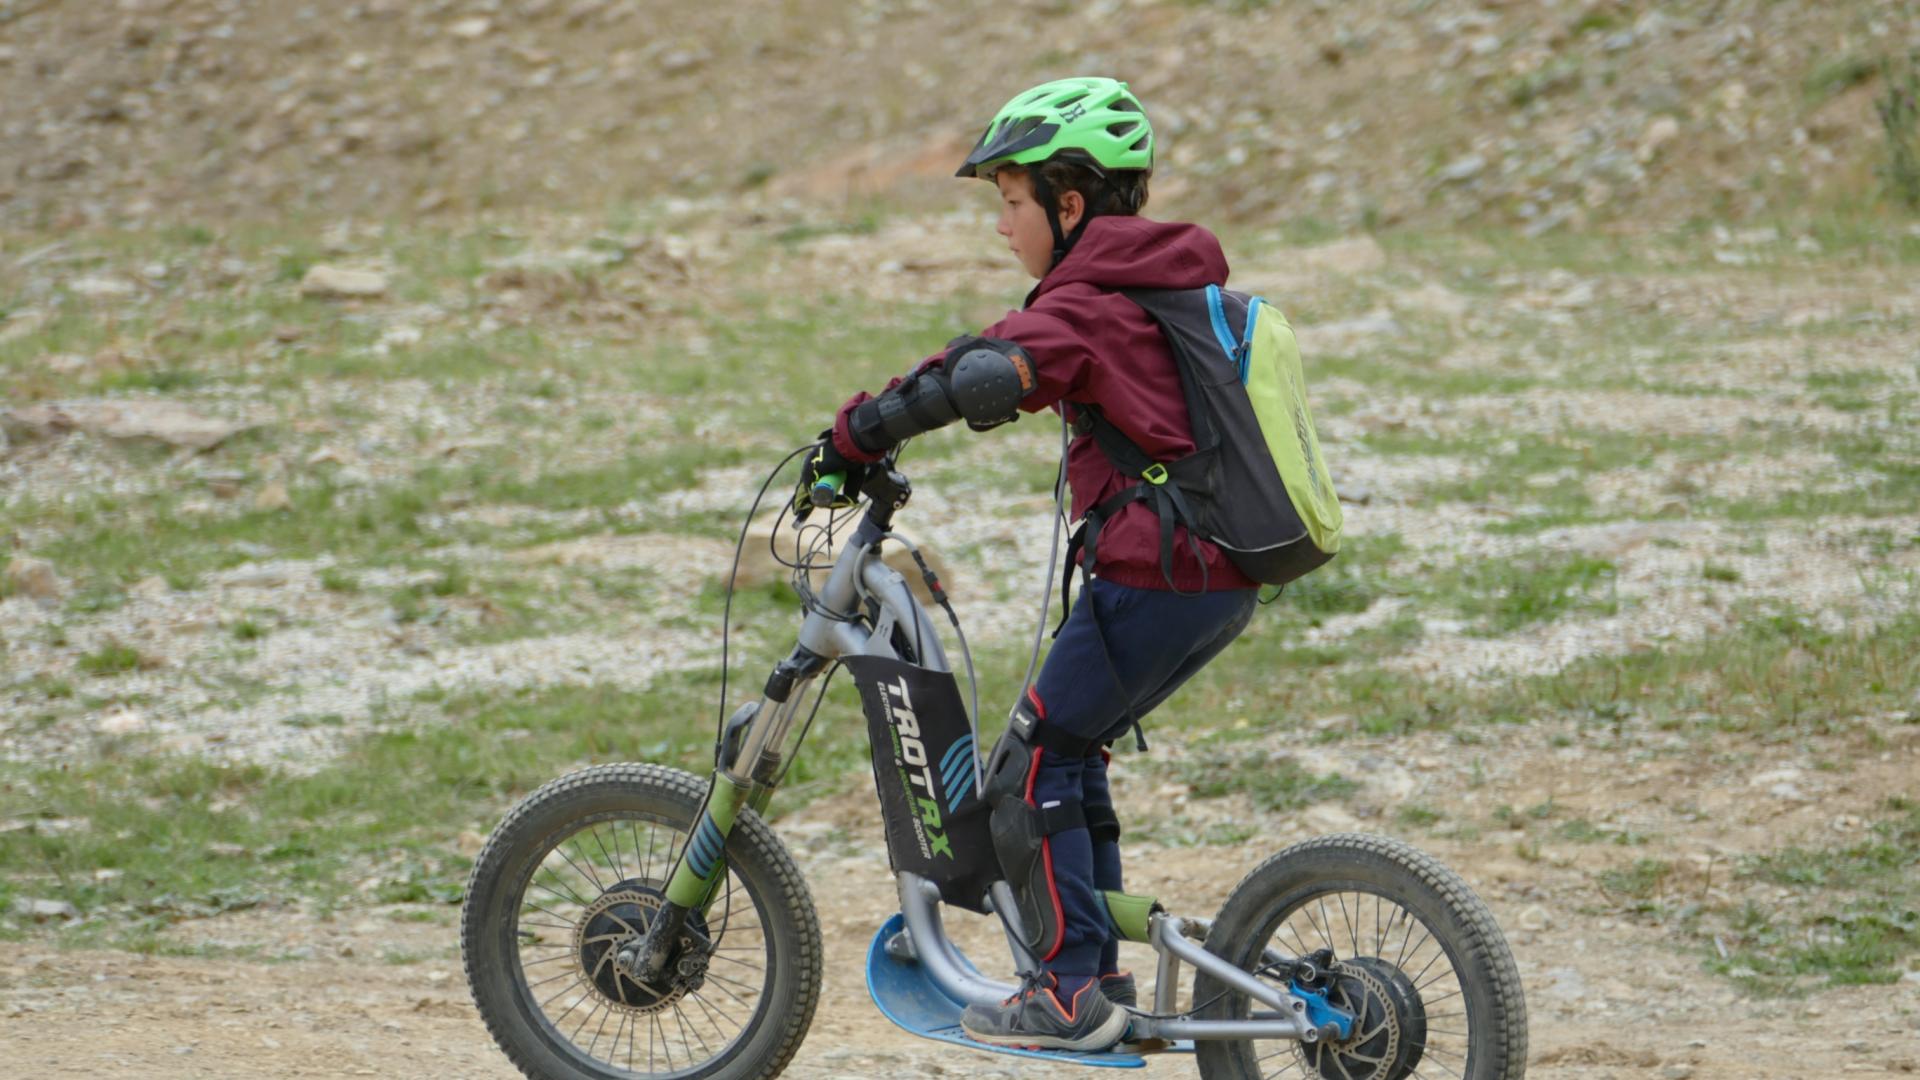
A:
(1020, 829)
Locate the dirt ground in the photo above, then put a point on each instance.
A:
(377, 993)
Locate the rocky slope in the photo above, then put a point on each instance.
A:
(1542, 112)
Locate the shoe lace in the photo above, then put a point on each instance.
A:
(1031, 982)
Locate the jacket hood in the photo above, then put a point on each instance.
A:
(1135, 253)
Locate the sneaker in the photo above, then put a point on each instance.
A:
(1120, 990)
(1035, 1016)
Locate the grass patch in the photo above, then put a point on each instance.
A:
(1639, 883)
(192, 837)
(1854, 918)
(1273, 783)
(111, 659)
(1418, 816)
(1891, 460)
(1899, 109)
(1582, 831)
(1777, 674)
(1833, 77)
(1507, 594)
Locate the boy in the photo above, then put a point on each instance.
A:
(1071, 159)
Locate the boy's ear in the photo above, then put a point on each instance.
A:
(1072, 205)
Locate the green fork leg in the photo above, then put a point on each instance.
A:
(704, 862)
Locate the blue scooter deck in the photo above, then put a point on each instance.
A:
(909, 998)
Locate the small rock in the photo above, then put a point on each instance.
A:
(18, 324)
(273, 497)
(1567, 984)
(34, 578)
(151, 587)
(1357, 496)
(1374, 324)
(34, 423)
(1579, 295)
(1328, 818)
(100, 287)
(1462, 169)
(1350, 255)
(161, 421)
(328, 455)
(1676, 1071)
(1435, 297)
(43, 910)
(121, 721)
(1535, 917)
(107, 876)
(682, 60)
(1660, 131)
(256, 577)
(338, 283)
(475, 27)
(227, 851)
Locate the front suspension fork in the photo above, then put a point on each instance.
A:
(748, 763)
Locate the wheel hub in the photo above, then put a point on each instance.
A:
(618, 918)
(1407, 1008)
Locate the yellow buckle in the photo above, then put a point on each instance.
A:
(1156, 474)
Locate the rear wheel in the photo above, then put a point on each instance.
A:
(1401, 944)
(577, 871)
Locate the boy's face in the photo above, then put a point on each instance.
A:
(1024, 223)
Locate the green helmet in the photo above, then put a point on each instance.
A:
(1092, 120)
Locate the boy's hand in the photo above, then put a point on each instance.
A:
(821, 461)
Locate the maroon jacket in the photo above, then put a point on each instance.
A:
(1090, 344)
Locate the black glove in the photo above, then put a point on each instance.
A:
(824, 459)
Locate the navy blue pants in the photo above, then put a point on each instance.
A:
(1156, 639)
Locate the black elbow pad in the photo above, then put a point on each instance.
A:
(988, 378)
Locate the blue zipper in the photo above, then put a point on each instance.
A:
(1245, 353)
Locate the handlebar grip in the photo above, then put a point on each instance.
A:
(827, 489)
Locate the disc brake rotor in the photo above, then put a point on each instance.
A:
(1373, 1050)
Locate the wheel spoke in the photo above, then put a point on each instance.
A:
(591, 1013)
(550, 978)
(588, 874)
(568, 895)
(710, 1010)
(619, 868)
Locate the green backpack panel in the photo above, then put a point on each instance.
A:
(1256, 483)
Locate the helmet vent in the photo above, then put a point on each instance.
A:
(1017, 128)
(1140, 145)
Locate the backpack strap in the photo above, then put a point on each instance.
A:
(1158, 484)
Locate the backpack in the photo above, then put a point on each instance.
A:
(1255, 484)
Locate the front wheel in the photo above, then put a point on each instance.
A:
(1398, 941)
(576, 872)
